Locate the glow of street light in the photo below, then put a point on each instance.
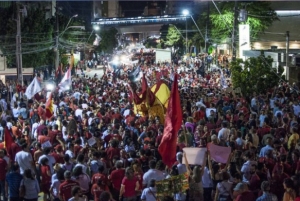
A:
(185, 12)
(96, 28)
(76, 15)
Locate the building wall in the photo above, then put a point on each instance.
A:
(103, 9)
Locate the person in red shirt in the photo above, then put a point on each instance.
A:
(116, 177)
(58, 154)
(129, 185)
(113, 151)
(99, 176)
(3, 167)
(13, 149)
(65, 188)
(255, 181)
(98, 188)
(243, 193)
(46, 177)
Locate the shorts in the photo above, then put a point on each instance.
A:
(45, 188)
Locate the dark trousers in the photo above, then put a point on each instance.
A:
(115, 194)
(207, 194)
(15, 199)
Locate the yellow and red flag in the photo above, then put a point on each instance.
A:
(49, 107)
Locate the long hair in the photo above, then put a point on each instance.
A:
(129, 173)
(197, 177)
(28, 174)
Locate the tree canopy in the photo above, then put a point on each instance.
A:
(255, 74)
(109, 40)
(260, 17)
(38, 36)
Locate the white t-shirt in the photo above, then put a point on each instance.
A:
(78, 112)
(70, 153)
(84, 106)
(64, 132)
(24, 159)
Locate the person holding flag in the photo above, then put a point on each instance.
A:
(33, 88)
(49, 107)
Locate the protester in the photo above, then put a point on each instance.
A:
(105, 135)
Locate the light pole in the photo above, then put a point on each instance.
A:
(185, 12)
(57, 38)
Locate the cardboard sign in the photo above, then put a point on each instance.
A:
(218, 153)
(208, 111)
(194, 155)
(238, 90)
(46, 144)
(229, 90)
(91, 141)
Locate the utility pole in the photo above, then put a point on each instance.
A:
(207, 25)
(18, 46)
(287, 55)
(235, 23)
(56, 40)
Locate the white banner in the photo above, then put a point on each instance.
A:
(194, 156)
(244, 39)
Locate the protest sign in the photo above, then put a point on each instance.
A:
(238, 90)
(46, 144)
(228, 90)
(194, 155)
(91, 141)
(208, 111)
(218, 153)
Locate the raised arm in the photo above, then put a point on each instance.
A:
(187, 164)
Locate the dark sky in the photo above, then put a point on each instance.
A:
(136, 8)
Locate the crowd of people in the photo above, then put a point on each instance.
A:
(95, 148)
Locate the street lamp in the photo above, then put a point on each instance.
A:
(185, 12)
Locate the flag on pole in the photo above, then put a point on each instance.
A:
(223, 82)
(135, 74)
(8, 139)
(49, 107)
(66, 82)
(33, 88)
(173, 120)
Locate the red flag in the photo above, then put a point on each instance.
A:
(49, 107)
(8, 139)
(167, 147)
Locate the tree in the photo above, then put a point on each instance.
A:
(260, 17)
(38, 35)
(37, 40)
(109, 40)
(173, 38)
(255, 74)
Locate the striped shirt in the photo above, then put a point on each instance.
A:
(13, 180)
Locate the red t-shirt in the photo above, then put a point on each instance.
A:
(111, 152)
(58, 158)
(129, 186)
(3, 166)
(46, 179)
(96, 191)
(13, 150)
(98, 176)
(116, 177)
(246, 196)
(65, 189)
